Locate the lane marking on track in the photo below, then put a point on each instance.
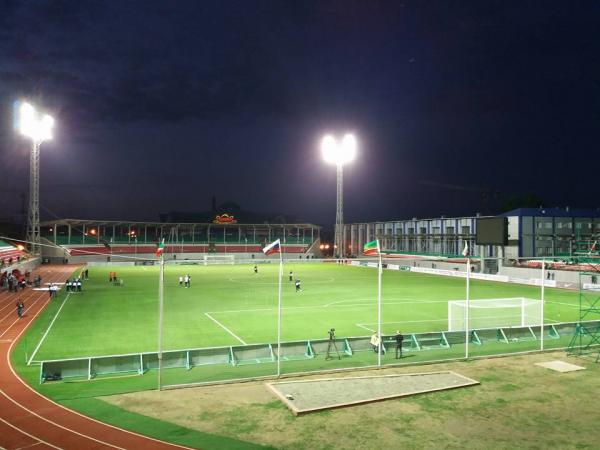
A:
(225, 328)
(33, 413)
(29, 435)
(17, 320)
(70, 411)
(29, 446)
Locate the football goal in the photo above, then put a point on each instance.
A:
(494, 313)
(218, 259)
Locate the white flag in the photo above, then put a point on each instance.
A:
(466, 251)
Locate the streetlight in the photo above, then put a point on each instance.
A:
(38, 128)
(339, 153)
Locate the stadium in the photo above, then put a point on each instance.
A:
(204, 309)
(389, 267)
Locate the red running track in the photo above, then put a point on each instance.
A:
(29, 420)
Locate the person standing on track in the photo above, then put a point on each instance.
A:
(20, 307)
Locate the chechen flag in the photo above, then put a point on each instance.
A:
(273, 247)
(466, 251)
(371, 248)
(160, 248)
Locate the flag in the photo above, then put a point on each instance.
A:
(273, 247)
(594, 247)
(160, 248)
(466, 251)
(371, 248)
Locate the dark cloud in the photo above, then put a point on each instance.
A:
(232, 97)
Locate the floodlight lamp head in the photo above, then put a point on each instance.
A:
(339, 153)
(30, 125)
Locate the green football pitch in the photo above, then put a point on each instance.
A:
(231, 305)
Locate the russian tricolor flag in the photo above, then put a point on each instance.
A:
(273, 247)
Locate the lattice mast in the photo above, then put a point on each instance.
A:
(339, 214)
(587, 330)
(33, 215)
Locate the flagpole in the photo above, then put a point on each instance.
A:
(542, 306)
(467, 308)
(379, 305)
(279, 312)
(161, 278)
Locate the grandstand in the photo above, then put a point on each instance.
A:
(80, 239)
(9, 254)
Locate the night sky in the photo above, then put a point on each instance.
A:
(457, 106)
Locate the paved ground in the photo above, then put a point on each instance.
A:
(29, 420)
(315, 395)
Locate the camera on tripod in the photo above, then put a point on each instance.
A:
(331, 334)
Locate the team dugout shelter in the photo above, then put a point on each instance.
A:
(77, 240)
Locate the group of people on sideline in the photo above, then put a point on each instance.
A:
(398, 340)
(73, 285)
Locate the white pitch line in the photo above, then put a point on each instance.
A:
(364, 328)
(561, 303)
(48, 330)
(225, 328)
(289, 308)
(405, 321)
(393, 302)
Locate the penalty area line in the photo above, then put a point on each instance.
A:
(48, 330)
(360, 325)
(225, 328)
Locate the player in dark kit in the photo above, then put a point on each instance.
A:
(255, 269)
(291, 276)
(298, 288)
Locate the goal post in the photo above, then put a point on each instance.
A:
(494, 313)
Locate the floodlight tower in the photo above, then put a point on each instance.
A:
(339, 153)
(39, 129)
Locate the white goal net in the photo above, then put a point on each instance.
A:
(494, 313)
(218, 259)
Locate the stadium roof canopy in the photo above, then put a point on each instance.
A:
(74, 222)
(552, 212)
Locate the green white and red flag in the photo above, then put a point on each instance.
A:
(371, 248)
(160, 248)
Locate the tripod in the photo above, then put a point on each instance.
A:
(331, 345)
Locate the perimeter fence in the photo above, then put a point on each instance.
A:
(444, 308)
